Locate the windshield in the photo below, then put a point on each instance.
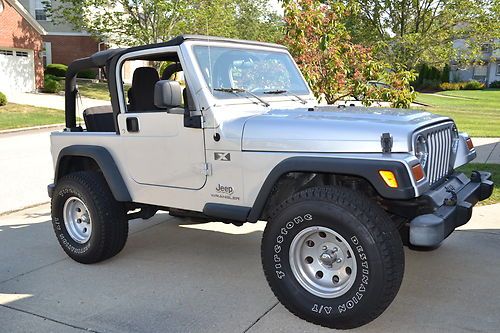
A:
(259, 72)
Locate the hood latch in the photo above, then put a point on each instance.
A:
(386, 142)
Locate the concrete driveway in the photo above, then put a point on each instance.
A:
(25, 169)
(178, 276)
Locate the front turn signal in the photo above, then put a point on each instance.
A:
(389, 178)
(418, 172)
(470, 145)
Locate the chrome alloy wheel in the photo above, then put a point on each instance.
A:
(77, 220)
(323, 262)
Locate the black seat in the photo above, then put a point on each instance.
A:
(141, 94)
(99, 119)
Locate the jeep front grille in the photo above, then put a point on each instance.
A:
(439, 141)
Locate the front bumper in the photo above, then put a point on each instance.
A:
(453, 201)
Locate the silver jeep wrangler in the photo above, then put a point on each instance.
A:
(239, 137)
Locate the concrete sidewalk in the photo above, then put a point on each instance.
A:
(178, 276)
(488, 150)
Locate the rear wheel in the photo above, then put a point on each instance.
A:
(332, 257)
(89, 223)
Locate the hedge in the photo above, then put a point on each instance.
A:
(495, 84)
(469, 85)
(87, 74)
(3, 99)
(51, 84)
(58, 70)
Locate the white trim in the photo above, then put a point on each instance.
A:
(27, 16)
(40, 3)
(48, 52)
(52, 33)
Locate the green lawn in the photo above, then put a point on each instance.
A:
(17, 116)
(476, 112)
(97, 90)
(495, 171)
(94, 90)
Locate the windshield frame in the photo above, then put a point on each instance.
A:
(241, 99)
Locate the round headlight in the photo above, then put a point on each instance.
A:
(421, 150)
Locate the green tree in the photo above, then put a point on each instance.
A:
(412, 32)
(135, 22)
(334, 66)
(123, 22)
(244, 19)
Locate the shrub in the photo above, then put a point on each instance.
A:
(51, 84)
(429, 84)
(445, 74)
(3, 99)
(429, 77)
(87, 74)
(473, 85)
(58, 70)
(469, 85)
(495, 84)
(451, 86)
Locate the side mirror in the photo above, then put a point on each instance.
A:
(168, 94)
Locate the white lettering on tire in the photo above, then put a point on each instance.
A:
(280, 238)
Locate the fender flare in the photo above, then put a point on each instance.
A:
(364, 168)
(105, 162)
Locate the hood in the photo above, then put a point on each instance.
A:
(330, 129)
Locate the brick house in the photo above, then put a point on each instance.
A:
(21, 48)
(62, 42)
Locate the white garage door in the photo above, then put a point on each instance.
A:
(17, 70)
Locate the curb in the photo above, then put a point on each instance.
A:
(2, 214)
(34, 128)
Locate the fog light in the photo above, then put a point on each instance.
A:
(470, 145)
(418, 172)
(389, 178)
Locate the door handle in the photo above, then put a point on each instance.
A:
(132, 124)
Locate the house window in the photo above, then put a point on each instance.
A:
(498, 69)
(21, 54)
(41, 10)
(6, 52)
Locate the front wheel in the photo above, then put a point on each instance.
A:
(332, 257)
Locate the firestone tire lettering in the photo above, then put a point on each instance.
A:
(370, 234)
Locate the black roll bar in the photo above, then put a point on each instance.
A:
(97, 60)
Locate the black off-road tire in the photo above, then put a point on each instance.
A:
(367, 229)
(108, 217)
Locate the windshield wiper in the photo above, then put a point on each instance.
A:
(240, 90)
(280, 91)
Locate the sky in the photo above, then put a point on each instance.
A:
(276, 6)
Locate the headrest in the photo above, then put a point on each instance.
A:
(144, 75)
(168, 94)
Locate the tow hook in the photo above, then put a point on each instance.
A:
(475, 177)
(453, 199)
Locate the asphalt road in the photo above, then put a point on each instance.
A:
(177, 276)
